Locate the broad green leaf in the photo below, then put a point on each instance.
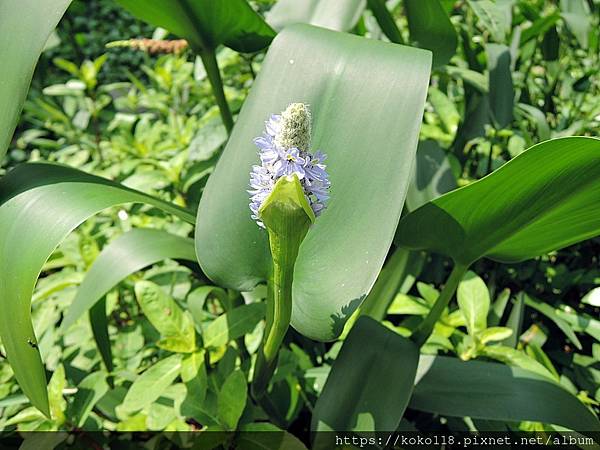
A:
(432, 175)
(500, 81)
(91, 389)
(233, 324)
(232, 399)
(430, 28)
(367, 99)
(125, 255)
(474, 302)
(206, 24)
(339, 15)
(492, 18)
(551, 314)
(546, 198)
(151, 384)
(484, 390)
(39, 205)
(25, 26)
(370, 382)
(175, 326)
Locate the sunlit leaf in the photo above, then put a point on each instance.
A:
(39, 205)
(545, 199)
(339, 15)
(367, 99)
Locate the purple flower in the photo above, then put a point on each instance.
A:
(284, 149)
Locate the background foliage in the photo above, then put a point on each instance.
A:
(521, 72)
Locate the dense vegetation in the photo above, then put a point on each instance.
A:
(151, 343)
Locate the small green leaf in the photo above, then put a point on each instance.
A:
(474, 302)
(233, 324)
(175, 326)
(232, 399)
(514, 357)
(493, 334)
(151, 384)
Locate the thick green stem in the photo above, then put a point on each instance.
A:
(284, 250)
(209, 60)
(424, 330)
(287, 216)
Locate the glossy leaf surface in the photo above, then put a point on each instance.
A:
(39, 205)
(25, 26)
(367, 100)
(206, 24)
(545, 199)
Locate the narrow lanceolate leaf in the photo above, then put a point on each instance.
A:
(367, 100)
(370, 382)
(149, 386)
(545, 199)
(125, 255)
(206, 24)
(39, 205)
(25, 26)
(484, 390)
(430, 28)
(339, 15)
(91, 389)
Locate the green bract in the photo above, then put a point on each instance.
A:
(367, 100)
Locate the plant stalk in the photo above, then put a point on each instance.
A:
(424, 330)
(284, 250)
(209, 60)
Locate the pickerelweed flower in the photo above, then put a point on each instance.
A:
(285, 149)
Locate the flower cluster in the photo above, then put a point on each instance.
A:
(285, 150)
